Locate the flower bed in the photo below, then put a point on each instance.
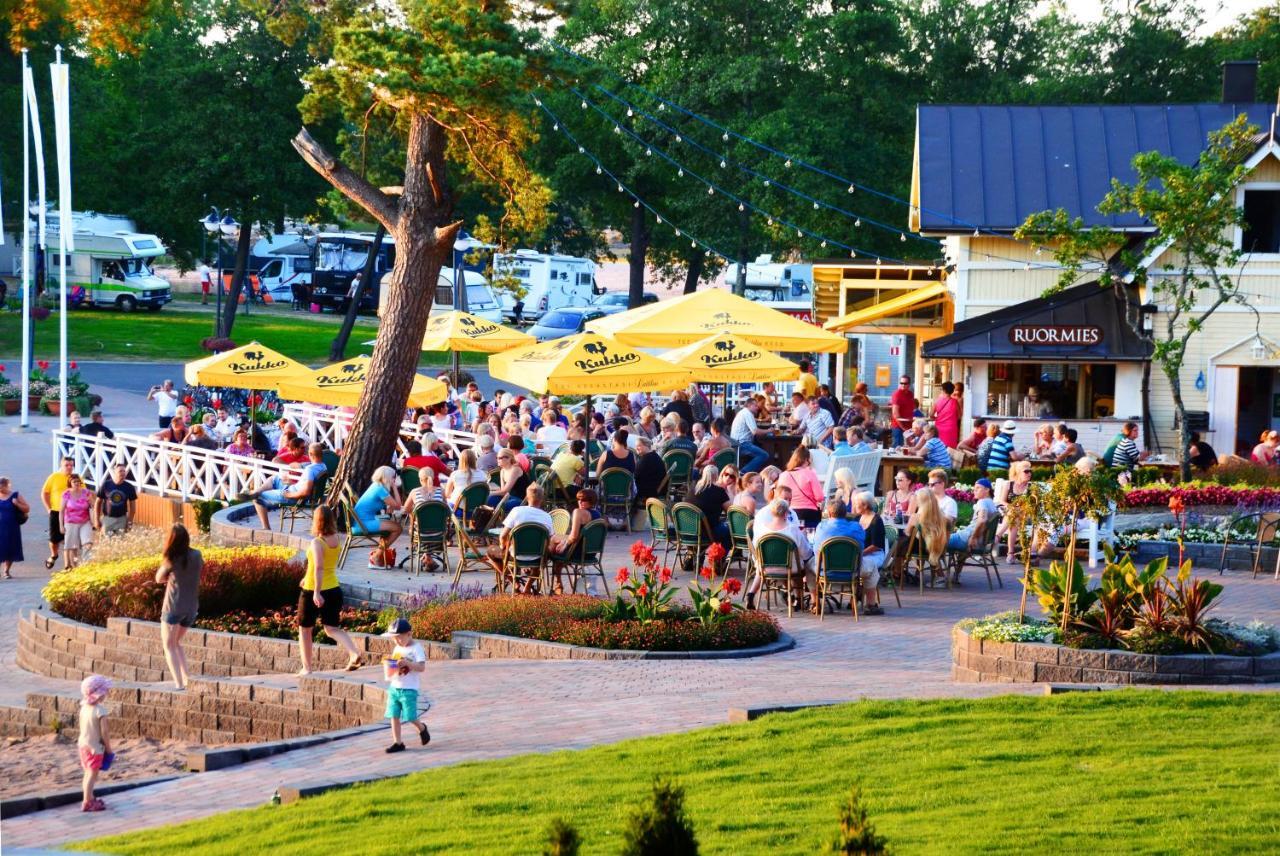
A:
(282, 623)
(1201, 494)
(1190, 535)
(234, 578)
(580, 620)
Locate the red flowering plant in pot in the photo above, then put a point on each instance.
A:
(713, 603)
(644, 593)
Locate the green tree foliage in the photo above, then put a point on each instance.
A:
(857, 834)
(1192, 210)
(660, 827)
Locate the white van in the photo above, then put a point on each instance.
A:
(481, 300)
(550, 281)
(111, 261)
(282, 262)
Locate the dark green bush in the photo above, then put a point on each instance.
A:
(562, 840)
(661, 827)
(857, 834)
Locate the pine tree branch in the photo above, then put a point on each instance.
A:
(379, 205)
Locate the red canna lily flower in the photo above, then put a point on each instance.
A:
(1176, 505)
(624, 574)
(664, 575)
(733, 585)
(715, 553)
(707, 572)
(725, 607)
(642, 590)
(73, 364)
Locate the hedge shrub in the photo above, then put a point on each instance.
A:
(234, 578)
(579, 620)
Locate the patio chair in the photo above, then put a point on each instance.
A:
(429, 534)
(917, 556)
(692, 534)
(526, 555)
(354, 535)
(778, 564)
(495, 476)
(725, 458)
(617, 488)
(586, 557)
(307, 506)
(679, 465)
(472, 531)
(661, 532)
(538, 464)
(983, 556)
(409, 480)
(561, 521)
(739, 520)
(839, 572)
(1268, 528)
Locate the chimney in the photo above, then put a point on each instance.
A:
(1240, 81)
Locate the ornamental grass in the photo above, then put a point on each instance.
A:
(234, 578)
(579, 620)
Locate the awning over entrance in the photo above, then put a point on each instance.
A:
(1084, 323)
(895, 307)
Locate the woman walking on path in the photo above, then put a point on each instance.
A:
(321, 596)
(180, 575)
(76, 523)
(13, 510)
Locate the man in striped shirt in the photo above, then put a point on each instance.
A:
(1002, 452)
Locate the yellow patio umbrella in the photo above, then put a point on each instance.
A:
(340, 384)
(251, 366)
(727, 358)
(693, 317)
(461, 331)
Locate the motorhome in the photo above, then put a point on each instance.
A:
(110, 260)
(549, 281)
(787, 287)
(283, 263)
(336, 259)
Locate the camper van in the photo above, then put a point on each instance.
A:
(550, 281)
(283, 263)
(111, 261)
(787, 287)
(336, 258)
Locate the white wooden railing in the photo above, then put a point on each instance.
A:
(322, 425)
(169, 469)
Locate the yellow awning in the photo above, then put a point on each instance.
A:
(920, 298)
(340, 385)
(461, 331)
(251, 366)
(725, 358)
(585, 364)
(694, 317)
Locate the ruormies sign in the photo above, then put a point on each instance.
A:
(1055, 334)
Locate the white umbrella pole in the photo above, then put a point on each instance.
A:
(25, 420)
(62, 136)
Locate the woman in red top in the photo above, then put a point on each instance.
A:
(806, 487)
(946, 415)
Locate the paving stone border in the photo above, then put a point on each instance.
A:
(981, 660)
(18, 806)
(485, 646)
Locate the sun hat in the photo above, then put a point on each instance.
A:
(1009, 425)
(400, 625)
(94, 688)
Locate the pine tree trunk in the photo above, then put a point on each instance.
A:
(237, 279)
(424, 242)
(639, 252)
(696, 266)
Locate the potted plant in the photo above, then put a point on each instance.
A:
(9, 395)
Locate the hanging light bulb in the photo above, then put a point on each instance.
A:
(824, 243)
(629, 113)
(722, 163)
(658, 217)
(788, 163)
(584, 105)
(815, 206)
(648, 152)
(619, 188)
(858, 223)
(617, 129)
(853, 254)
(661, 106)
(636, 204)
(975, 232)
(851, 188)
(770, 221)
(581, 150)
(879, 261)
(741, 207)
(680, 172)
(679, 139)
(711, 191)
(799, 234)
(677, 233)
(693, 244)
(556, 126)
(598, 170)
(537, 101)
(766, 182)
(902, 236)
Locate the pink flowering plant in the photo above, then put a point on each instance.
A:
(713, 603)
(644, 593)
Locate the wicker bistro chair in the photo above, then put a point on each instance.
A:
(917, 556)
(495, 477)
(526, 555)
(725, 458)
(778, 563)
(661, 531)
(586, 557)
(331, 461)
(308, 506)
(472, 531)
(984, 556)
(679, 465)
(561, 521)
(617, 491)
(538, 464)
(839, 572)
(692, 534)
(740, 536)
(1268, 529)
(354, 535)
(409, 480)
(429, 534)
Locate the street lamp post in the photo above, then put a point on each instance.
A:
(218, 225)
(231, 229)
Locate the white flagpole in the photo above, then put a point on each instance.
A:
(25, 421)
(62, 138)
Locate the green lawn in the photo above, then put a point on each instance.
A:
(176, 333)
(1116, 772)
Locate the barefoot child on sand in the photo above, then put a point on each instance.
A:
(94, 745)
(403, 670)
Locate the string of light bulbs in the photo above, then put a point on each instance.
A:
(714, 188)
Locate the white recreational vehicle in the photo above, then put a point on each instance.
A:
(787, 287)
(550, 281)
(111, 261)
(283, 262)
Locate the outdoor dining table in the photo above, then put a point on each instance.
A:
(890, 463)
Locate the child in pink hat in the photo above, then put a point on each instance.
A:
(94, 745)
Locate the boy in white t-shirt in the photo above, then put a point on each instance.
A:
(403, 671)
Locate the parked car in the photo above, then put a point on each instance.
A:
(567, 321)
(622, 299)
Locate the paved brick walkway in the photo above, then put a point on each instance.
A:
(494, 708)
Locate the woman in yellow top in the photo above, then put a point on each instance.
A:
(322, 598)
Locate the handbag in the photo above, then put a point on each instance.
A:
(384, 556)
(19, 515)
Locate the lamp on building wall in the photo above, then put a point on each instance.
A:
(1148, 313)
(1259, 348)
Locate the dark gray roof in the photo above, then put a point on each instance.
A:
(989, 167)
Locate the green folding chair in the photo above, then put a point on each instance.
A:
(586, 557)
(617, 491)
(429, 534)
(526, 555)
(354, 535)
(679, 474)
(308, 506)
(693, 535)
(472, 531)
(739, 520)
(778, 564)
(982, 556)
(839, 572)
(661, 531)
(725, 458)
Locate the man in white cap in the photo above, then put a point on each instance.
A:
(1002, 452)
